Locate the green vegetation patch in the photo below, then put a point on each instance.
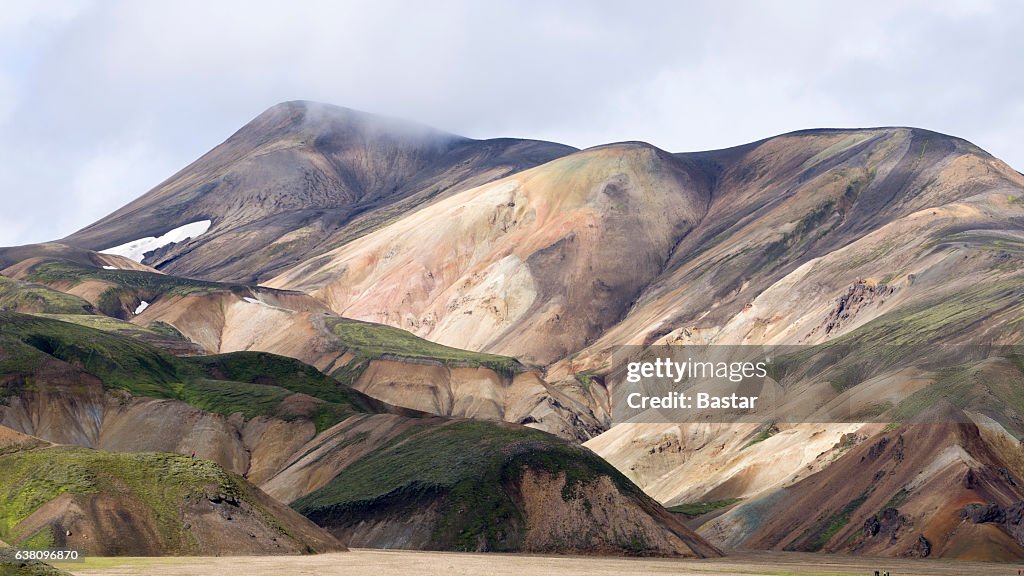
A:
(696, 509)
(253, 384)
(25, 297)
(831, 526)
(166, 330)
(288, 373)
(120, 362)
(260, 375)
(367, 340)
(225, 397)
(585, 379)
(897, 499)
(150, 283)
(163, 483)
(17, 360)
(763, 434)
(108, 324)
(470, 467)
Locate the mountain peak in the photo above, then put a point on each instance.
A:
(319, 119)
(297, 174)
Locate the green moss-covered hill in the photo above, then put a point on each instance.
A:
(253, 384)
(26, 297)
(481, 486)
(154, 504)
(368, 341)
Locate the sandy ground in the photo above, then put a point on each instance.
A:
(383, 563)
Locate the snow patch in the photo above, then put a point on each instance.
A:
(254, 301)
(136, 250)
(141, 307)
(111, 268)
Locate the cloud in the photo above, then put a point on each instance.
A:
(106, 99)
(110, 176)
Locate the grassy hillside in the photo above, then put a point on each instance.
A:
(162, 481)
(26, 297)
(72, 273)
(255, 383)
(108, 324)
(367, 340)
(119, 361)
(165, 500)
(469, 470)
(250, 383)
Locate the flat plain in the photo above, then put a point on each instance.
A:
(383, 563)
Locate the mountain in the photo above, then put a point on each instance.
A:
(299, 179)
(457, 308)
(628, 244)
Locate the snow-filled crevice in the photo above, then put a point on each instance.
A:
(136, 250)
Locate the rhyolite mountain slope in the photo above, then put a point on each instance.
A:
(900, 244)
(536, 264)
(298, 179)
(628, 244)
(943, 488)
(888, 251)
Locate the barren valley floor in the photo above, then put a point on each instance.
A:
(383, 563)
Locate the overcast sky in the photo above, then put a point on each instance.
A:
(100, 101)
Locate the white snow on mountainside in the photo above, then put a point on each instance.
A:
(136, 249)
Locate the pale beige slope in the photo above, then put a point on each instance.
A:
(698, 462)
(533, 266)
